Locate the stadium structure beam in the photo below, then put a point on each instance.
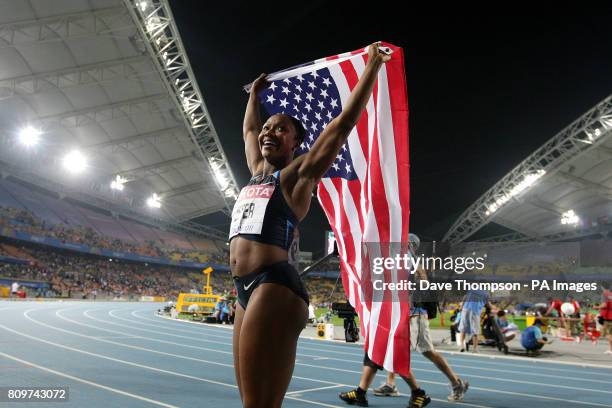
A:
(155, 23)
(70, 77)
(186, 189)
(546, 206)
(101, 113)
(515, 227)
(604, 149)
(129, 142)
(56, 28)
(513, 239)
(149, 169)
(596, 188)
(200, 213)
(586, 133)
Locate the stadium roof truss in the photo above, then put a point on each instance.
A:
(110, 78)
(571, 174)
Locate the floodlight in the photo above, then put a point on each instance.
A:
(154, 201)
(569, 217)
(523, 185)
(118, 183)
(74, 162)
(29, 136)
(220, 176)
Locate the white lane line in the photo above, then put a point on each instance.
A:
(84, 381)
(520, 373)
(86, 313)
(443, 384)
(322, 404)
(315, 389)
(544, 385)
(96, 338)
(198, 378)
(117, 360)
(471, 375)
(472, 387)
(452, 353)
(192, 338)
(165, 327)
(534, 362)
(136, 364)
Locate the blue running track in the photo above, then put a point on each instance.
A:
(123, 355)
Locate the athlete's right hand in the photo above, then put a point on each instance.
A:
(259, 84)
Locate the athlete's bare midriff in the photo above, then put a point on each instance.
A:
(247, 256)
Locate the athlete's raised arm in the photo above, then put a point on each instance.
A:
(251, 127)
(323, 153)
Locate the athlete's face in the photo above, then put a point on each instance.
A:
(278, 139)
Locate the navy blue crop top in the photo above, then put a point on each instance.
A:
(262, 214)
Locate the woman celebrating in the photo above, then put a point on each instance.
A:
(272, 305)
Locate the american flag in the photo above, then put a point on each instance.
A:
(365, 193)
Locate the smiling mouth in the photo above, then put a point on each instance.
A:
(269, 144)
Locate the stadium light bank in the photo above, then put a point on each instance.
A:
(528, 181)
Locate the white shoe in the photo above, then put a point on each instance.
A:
(608, 352)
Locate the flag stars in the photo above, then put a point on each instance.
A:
(311, 137)
(284, 103)
(334, 103)
(297, 98)
(295, 108)
(348, 168)
(285, 90)
(299, 88)
(321, 105)
(304, 118)
(273, 87)
(311, 85)
(287, 81)
(324, 93)
(344, 147)
(309, 97)
(314, 74)
(270, 99)
(318, 116)
(326, 82)
(335, 166)
(313, 127)
(299, 78)
(329, 115)
(308, 107)
(339, 157)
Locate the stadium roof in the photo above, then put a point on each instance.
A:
(561, 191)
(111, 79)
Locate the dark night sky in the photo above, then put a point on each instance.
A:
(484, 92)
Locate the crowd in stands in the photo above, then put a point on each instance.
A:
(83, 276)
(324, 291)
(76, 275)
(26, 221)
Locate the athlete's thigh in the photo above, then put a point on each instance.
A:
(271, 325)
(236, 343)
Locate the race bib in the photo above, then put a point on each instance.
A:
(250, 210)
